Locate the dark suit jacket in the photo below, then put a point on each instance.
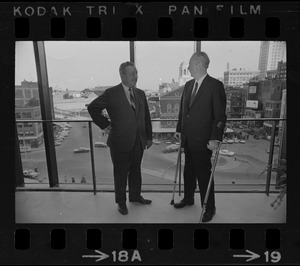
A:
(205, 119)
(125, 124)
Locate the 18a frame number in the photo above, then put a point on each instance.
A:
(123, 256)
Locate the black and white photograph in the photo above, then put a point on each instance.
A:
(168, 132)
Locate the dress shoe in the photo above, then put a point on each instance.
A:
(141, 200)
(208, 215)
(122, 208)
(184, 203)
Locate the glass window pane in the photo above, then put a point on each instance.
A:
(79, 72)
(163, 69)
(27, 107)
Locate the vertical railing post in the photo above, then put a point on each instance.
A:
(92, 157)
(270, 162)
(282, 147)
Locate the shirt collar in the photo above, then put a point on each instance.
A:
(125, 87)
(201, 79)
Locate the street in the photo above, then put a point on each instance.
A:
(249, 161)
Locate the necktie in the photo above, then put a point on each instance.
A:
(131, 99)
(194, 92)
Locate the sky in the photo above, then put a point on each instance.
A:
(82, 64)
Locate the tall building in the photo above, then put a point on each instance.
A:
(25, 92)
(281, 70)
(30, 134)
(236, 99)
(170, 105)
(27, 107)
(264, 100)
(237, 77)
(169, 109)
(270, 54)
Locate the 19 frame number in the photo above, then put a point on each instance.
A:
(273, 256)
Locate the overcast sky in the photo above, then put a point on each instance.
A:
(80, 65)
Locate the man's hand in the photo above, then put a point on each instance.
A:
(107, 130)
(213, 144)
(149, 143)
(177, 136)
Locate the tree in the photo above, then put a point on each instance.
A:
(280, 168)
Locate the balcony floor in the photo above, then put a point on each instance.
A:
(85, 207)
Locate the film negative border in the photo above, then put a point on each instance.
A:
(147, 21)
(148, 243)
(186, 244)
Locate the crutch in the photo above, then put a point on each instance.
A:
(210, 180)
(176, 173)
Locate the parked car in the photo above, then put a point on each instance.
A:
(30, 173)
(226, 153)
(100, 145)
(25, 148)
(81, 150)
(236, 140)
(242, 141)
(57, 143)
(155, 141)
(230, 141)
(171, 148)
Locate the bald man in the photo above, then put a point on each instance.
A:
(200, 128)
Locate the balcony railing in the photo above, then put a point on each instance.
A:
(159, 186)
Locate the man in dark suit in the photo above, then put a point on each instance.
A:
(130, 132)
(200, 127)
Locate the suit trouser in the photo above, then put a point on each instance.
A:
(127, 165)
(198, 167)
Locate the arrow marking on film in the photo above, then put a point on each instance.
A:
(250, 256)
(101, 256)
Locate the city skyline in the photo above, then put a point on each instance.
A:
(81, 65)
